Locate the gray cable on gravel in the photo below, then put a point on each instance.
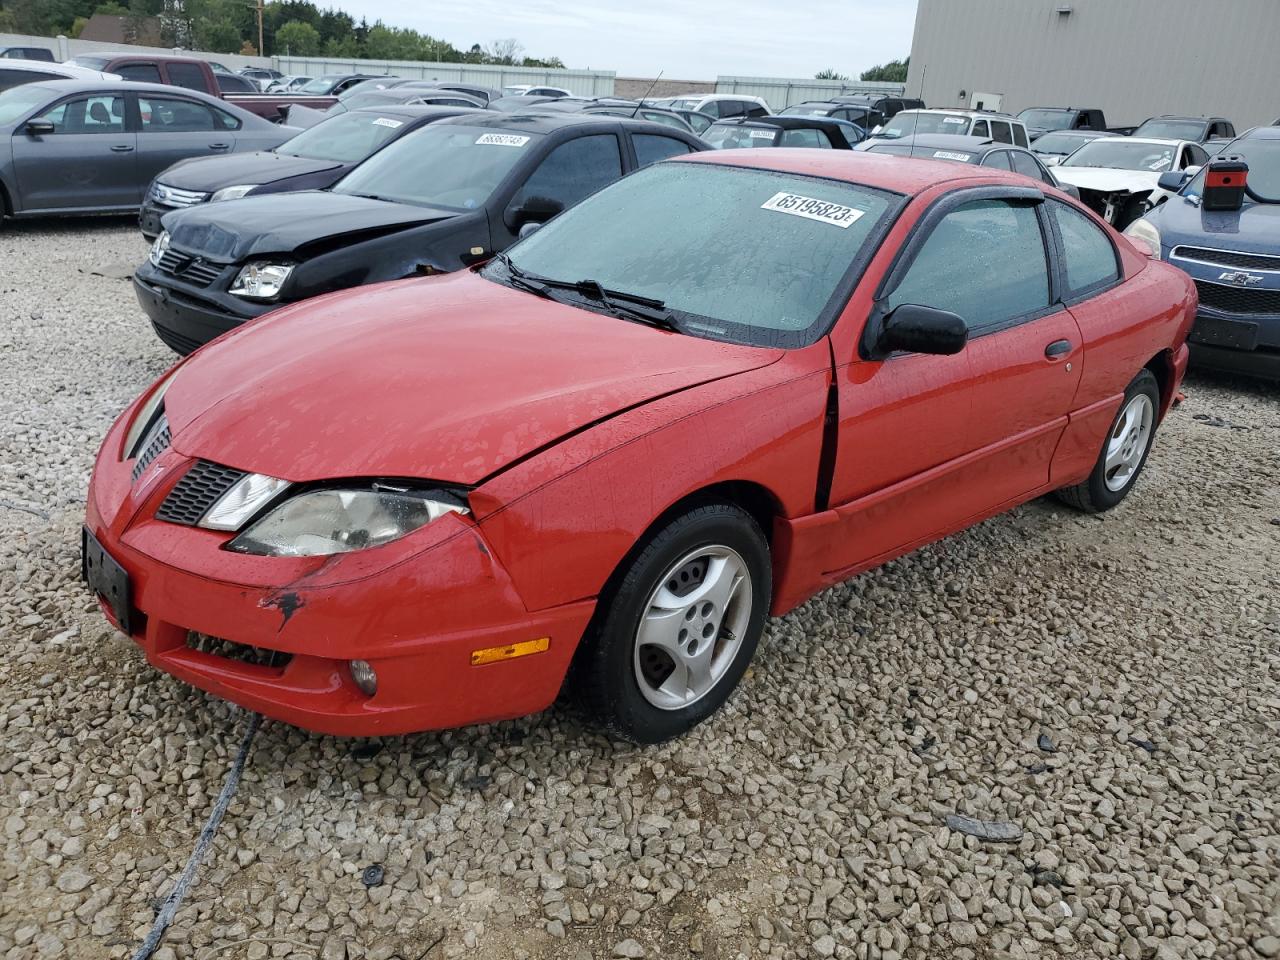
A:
(174, 900)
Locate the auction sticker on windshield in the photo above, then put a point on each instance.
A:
(952, 155)
(762, 134)
(503, 140)
(821, 210)
(385, 122)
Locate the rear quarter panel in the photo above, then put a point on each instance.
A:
(562, 520)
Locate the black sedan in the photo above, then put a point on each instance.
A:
(314, 159)
(784, 131)
(442, 198)
(977, 150)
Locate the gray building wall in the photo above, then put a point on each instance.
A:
(1132, 58)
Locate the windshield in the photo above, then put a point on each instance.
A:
(1046, 117)
(1121, 153)
(19, 101)
(1058, 144)
(732, 136)
(908, 124)
(320, 85)
(442, 165)
(1171, 129)
(808, 110)
(752, 256)
(1263, 157)
(924, 153)
(346, 138)
(684, 103)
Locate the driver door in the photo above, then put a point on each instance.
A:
(89, 161)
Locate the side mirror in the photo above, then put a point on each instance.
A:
(39, 128)
(1173, 180)
(918, 329)
(526, 228)
(533, 210)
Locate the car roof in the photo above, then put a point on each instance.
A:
(1174, 116)
(790, 122)
(417, 110)
(943, 141)
(1261, 133)
(963, 111)
(881, 171)
(64, 87)
(1163, 141)
(533, 122)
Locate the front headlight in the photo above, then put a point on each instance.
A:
(146, 416)
(1145, 233)
(159, 248)
(322, 522)
(261, 281)
(232, 193)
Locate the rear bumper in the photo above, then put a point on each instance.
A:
(1255, 356)
(149, 215)
(1264, 364)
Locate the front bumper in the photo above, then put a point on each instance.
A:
(415, 609)
(188, 319)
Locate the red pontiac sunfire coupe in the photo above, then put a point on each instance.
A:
(693, 400)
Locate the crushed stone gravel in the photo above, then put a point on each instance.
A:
(1108, 684)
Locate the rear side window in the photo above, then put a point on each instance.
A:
(1000, 132)
(1019, 134)
(15, 78)
(985, 261)
(142, 72)
(998, 159)
(1087, 252)
(651, 148)
(574, 170)
(174, 115)
(187, 75)
(1026, 165)
(804, 138)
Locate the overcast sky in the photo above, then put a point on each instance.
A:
(688, 39)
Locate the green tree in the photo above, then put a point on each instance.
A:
(895, 71)
(297, 38)
(830, 74)
(218, 36)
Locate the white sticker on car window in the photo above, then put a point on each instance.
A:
(503, 140)
(762, 134)
(954, 120)
(823, 211)
(952, 155)
(387, 122)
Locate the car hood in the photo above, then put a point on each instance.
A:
(206, 174)
(448, 378)
(230, 231)
(1254, 228)
(1108, 180)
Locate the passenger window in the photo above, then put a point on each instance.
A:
(186, 75)
(999, 159)
(171, 115)
(1000, 132)
(981, 128)
(1019, 135)
(984, 261)
(142, 72)
(1089, 256)
(574, 170)
(15, 78)
(805, 138)
(651, 148)
(99, 114)
(1026, 165)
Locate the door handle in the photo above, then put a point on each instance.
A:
(1059, 348)
(219, 146)
(121, 148)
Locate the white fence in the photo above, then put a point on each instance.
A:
(65, 48)
(780, 93)
(584, 83)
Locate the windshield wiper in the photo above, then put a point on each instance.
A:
(618, 302)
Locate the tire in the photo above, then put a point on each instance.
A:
(1124, 451)
(701, 587)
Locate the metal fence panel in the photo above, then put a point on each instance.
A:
(65, 48)
(781, 93)
(585, 83)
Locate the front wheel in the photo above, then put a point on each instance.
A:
(680, 626)
(1124, 453)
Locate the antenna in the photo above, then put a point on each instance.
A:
(915, 122)
(653, 83)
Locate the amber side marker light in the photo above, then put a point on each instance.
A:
(510, 651)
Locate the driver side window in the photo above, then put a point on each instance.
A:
(574, 170)
(984, 261)
(96, 114)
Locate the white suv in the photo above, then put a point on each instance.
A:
(719, 105)
(1000, 127)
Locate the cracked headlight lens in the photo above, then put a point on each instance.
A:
(326, 521)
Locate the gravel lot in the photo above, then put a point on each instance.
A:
(1109, 686)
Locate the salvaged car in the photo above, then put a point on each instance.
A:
(80, 146)
(442, 198)
(819, 132)
(1118, 176)
(1231, 250)
(602, 459)
(316, 158)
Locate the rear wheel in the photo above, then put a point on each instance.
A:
(680, 627)
(1124, 452)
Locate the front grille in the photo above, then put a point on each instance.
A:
(1228, 258)
(155, 443)
(173, 197)
(198, 273)
(240, 652)
(193, 495)
(1240, 300)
